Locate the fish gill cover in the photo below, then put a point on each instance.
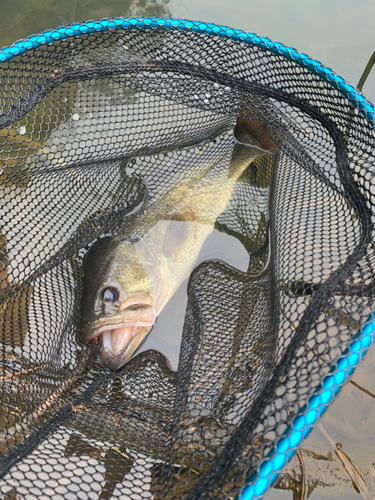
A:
(121, 152)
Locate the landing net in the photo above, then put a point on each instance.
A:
(99, 121)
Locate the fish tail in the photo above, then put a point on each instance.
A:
(254, 140)
(254, 132)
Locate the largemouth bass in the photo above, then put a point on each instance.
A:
(128, 280)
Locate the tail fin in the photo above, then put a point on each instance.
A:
(254, 132)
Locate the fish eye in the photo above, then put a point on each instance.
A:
(110, 294)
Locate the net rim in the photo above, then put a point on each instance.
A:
(48, 37)
(284, 448)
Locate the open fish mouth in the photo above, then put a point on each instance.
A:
(119, 344)
(121, 335)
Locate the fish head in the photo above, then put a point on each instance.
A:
(119, 307)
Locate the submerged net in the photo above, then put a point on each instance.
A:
(100, 130)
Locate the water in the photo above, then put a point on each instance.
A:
(340, 34)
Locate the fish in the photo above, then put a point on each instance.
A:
(129, 278)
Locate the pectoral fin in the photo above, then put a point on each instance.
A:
(176, 235)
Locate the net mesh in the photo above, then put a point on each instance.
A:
(99, 131)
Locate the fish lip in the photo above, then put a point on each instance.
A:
(108, 323)
(106, 328)
(138, 316)
(103, 329)
(141, 299)
(116, 362)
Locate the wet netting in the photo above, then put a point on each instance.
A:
(125, 145)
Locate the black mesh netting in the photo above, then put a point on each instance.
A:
(102, 137)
